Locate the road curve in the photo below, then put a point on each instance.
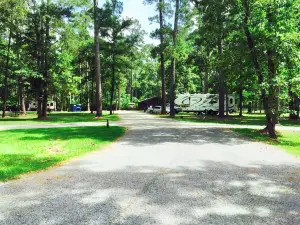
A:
(162, 172)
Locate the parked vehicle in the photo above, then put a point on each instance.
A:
(205, 103)
(51, 106)
(157, 109)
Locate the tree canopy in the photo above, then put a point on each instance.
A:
(76, 51)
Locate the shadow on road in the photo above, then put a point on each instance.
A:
(199, 136)
(213, 193)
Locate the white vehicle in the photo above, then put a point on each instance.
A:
(207, 103)
(157, 109)
(51, 106)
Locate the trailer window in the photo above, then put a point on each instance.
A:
(51, 104)
(213, 101)
(231, 101)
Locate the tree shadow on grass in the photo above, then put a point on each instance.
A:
(61, 118)
(212, 193)
(68, 133)
(13, 165)
(236, 120)
(58, 144)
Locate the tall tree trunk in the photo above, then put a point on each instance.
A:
(272, 100)
(80, 84)
(119, 96)
(162, 58)
(112, 90)
(87, 86)
(221, 81)
(38, 53)
(173, 60)
(292, 105)
(46, 63)
(226, 98)
(21, 98)
(251, 44)
(273, 95)
(6, 74)
(298, 107)
(92, 96)
(255, 62)
(22, 107)
(205, 81)
(41, 68)
(62, 102)
(252, 49)
(131, 84)
(206, 73)
(97, 63)
(241, 102)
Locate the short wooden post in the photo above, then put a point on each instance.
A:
(107, 123)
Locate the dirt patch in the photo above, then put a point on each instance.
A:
(55, 150)
(55, 147)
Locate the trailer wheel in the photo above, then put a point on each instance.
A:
(210, 112)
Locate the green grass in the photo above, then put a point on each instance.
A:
(22, 151)
(287, 140)
(247, 119)
(57, 117)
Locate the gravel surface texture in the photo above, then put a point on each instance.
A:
(162, 172)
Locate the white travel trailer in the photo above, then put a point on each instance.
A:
(51, 106)
(207, 103)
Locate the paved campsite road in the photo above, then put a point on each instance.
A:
(171, 123)
(162, 172)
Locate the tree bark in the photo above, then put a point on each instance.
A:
(92, 96)
(6, 74)
(112, 90)
(162, 60)
(46, 63)
(205, 82)
(97, 63)
(265, 100)
(241, 103)
(21, 98)
(272, 102)
(298, 108)
(119, 96)
(40, 83)
(292, 105)
(38, 54)
(62, 102)
(221, 82)
(273, 95)
(87, 86)
(252, 49)
(173, 66)
(226, 98)
(131, 85)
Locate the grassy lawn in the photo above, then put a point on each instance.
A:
(247, 119)
(287, 140)
(57, 117)
(22, 151)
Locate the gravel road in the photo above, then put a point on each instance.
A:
(162, 172)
